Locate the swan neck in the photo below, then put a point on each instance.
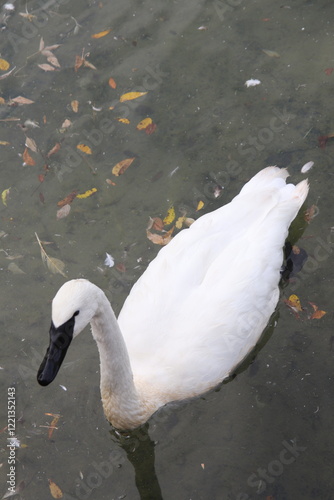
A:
(120, 399)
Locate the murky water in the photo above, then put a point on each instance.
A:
(266, 434)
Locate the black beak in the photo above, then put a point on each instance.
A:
(60, 339)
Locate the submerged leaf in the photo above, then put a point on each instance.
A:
(129, 96)
(55, 490)
(122, 166)
(54, 265)
(101, 34)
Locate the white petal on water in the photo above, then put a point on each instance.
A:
(252, 82)
(307, 167)
(109, 260)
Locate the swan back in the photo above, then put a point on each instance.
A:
(205, 299)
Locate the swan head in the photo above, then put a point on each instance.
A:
(73, 307)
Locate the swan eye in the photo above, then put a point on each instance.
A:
(76, 313)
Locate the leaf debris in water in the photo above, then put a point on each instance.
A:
(54, 265)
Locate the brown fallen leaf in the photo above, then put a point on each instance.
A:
(122, 166)
(68, 199)
(54, 265)
(53, 60)
(310, 213)
(160, 239)
(28, 160)
(54, 150)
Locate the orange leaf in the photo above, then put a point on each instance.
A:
(318, 314)
(101, 34)
(85, 149)
(52, 428)
(41, 177)
(55, 490)
(112, 83)
(122, 166)
(68, 199)
(54, 150)
(28, 160)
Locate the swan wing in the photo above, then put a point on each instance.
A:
(203, 302)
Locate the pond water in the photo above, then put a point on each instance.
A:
(268, 433)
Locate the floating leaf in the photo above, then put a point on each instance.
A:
(310, 213)
(329, 71)
(150, 128)
(46, 67)
(4, 65)
(88, 64)
(158, 239)
(123, 120)
(63, 211)
(4, 143)
(21, 100)
(200, 205)
(54, 150)
(55, 490)
(68, 199)
(86, 194)
(144, 123)
(101, 34)
(169, 217)
(271, 53)
(122, 166)
(84, 149)
(31, 144)
(305, 168)
(294, 303)
(75, 105)
(78, 62)
(52, 426)
(2, 77)
(66, 123)
(317, 314)
(53, 60)
(112, 83)
(14, 268)
(131, 95)
(54, 265)
(28, 160)
(179, 222)
(4, 195)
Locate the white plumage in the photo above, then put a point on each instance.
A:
(197, 310)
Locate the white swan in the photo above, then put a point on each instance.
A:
(194, 314)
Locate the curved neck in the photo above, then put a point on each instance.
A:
(121, 401)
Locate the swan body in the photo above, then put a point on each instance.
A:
(195, 313)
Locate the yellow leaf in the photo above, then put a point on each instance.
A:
(4, 65)
(131, 95)
(87, 193)
(84, 149)
(101, 34)
(122, 166)
(294, 302)
(200, 205)
(144, 123)
(179, 222)
(169, 217)
(55, 490)
(4, 143)
(123, 120)
(4, 195)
